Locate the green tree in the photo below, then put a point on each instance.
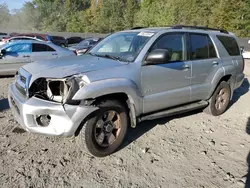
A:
(4, 14)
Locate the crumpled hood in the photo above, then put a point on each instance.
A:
(67, 66)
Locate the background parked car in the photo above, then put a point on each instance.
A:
(85, 45)
(72, 41)
(58, 40)
(18, 38)
(16, 54)
(43, 37)
(2, 35)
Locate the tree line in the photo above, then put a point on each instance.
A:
(106, 16)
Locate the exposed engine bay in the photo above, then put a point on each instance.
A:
(57, 90)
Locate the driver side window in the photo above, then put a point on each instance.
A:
(174, 43)
(19, 48)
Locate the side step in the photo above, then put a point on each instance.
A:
(175, 110)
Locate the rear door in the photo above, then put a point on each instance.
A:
(16, 56)
(205, 63)
(42, 51)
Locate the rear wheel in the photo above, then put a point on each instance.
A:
(220, 99)
(104, 133)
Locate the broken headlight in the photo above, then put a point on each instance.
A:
(60, 90)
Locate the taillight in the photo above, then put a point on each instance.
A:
(243, 64)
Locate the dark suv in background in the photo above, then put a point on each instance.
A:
(71, 41)
(59, 40)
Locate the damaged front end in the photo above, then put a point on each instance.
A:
(58, 90)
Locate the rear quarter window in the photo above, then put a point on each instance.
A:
(230, 44)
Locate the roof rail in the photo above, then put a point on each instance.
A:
(199, 27)
(137, 28)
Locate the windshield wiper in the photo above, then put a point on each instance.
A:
(107, 56)
(112, 57)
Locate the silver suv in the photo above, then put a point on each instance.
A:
(130, 76)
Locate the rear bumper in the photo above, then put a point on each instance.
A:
(65, 119)
(239, 80)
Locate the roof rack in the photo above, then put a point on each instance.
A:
(199, 27)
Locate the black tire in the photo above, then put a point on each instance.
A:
(92, 135)
(220, 99)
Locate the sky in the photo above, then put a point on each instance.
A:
(14, 4)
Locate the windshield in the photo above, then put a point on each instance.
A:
(124, 46)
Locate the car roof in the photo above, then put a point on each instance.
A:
(26, 42)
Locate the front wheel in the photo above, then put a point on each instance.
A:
(220, 99)
(104, 133)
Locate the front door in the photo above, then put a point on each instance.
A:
(168, 84)
(15, 56)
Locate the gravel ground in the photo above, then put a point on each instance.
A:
(191, 150)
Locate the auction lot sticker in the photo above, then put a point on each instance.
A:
(146, 34)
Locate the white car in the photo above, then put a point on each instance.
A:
(12, 39)
(246, 54)
(18, 53)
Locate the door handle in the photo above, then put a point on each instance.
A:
(215, 63)
(26, 56)
(54, 54)
(186, 67)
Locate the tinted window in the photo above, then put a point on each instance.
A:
(18, 48)
(230, 45)
(201, 47)
(57, 38)
(74, 40)
(40, 37)
(174, 43)
(41, 48)
(3, 34)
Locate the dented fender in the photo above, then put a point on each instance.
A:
(112, 86)
(223, 71)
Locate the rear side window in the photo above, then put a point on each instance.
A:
(201, 47)
(230, 44)
(42, 48)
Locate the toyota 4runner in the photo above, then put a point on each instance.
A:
(130, 76)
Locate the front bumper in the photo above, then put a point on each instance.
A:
(65, 119)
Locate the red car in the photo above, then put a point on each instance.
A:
(43, 37)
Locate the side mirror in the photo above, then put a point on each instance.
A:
(158, 56)
(3, 52)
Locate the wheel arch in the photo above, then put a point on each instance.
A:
(227, 78)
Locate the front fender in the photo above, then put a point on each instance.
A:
(111, 86)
